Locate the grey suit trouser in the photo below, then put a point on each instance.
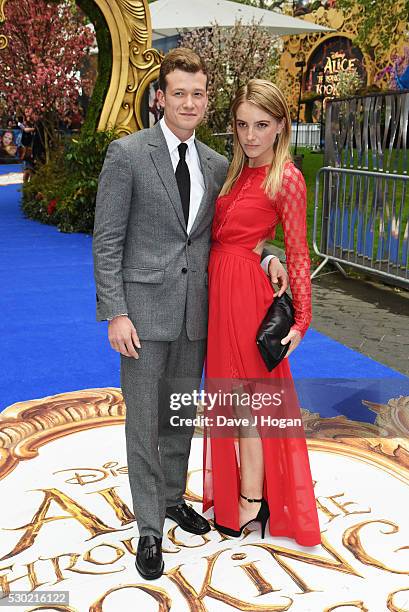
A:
(158, 453)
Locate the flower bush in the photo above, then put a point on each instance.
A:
(62, 192)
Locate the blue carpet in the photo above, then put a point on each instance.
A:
(6, 168)
(51, 342)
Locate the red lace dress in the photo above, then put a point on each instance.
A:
(239, 296)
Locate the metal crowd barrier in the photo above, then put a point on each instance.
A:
(309, 135)
(361, 218)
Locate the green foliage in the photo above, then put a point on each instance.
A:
(63, 191)
(349, 83)
(205, 134)
(49, 180)
(379, 20)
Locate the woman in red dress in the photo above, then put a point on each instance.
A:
(257, 477)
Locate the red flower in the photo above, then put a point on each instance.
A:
(51, 206)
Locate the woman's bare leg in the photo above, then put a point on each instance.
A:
(252, 474)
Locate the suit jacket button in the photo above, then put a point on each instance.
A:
(189, 242)
(184, 270)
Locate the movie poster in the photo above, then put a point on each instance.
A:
(9, 148)
(334, 56)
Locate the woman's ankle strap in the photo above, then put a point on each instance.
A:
(250, 500)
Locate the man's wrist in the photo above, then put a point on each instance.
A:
(266, 262)
(123, 314)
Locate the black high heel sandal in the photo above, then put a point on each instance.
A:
(262, 517)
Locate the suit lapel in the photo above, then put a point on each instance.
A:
(163, 164)
(206, 166)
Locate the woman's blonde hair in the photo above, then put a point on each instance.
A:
(269, 98)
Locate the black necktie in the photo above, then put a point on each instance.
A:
(183, 180)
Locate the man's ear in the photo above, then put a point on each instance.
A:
(161, 97)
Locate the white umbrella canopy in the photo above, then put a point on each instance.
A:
(170, 16)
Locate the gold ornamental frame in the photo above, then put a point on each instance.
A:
(135, 64)
(27, 426)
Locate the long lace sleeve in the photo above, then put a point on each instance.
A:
(292, 209)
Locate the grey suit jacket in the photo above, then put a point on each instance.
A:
(144, 261)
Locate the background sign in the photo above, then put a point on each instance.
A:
(334, 56)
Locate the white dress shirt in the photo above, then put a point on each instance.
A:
(197, 187)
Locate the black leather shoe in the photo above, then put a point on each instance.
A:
(149, 562)
(188, 519)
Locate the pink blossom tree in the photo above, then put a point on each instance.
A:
(47, 42)
(232, 57)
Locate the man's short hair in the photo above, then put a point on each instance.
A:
(181, 59)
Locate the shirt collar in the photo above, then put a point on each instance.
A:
(172, 140)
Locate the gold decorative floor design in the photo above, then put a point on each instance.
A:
(66, 520)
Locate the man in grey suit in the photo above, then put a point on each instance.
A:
(153, 218)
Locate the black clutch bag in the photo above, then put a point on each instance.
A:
(274, 327)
